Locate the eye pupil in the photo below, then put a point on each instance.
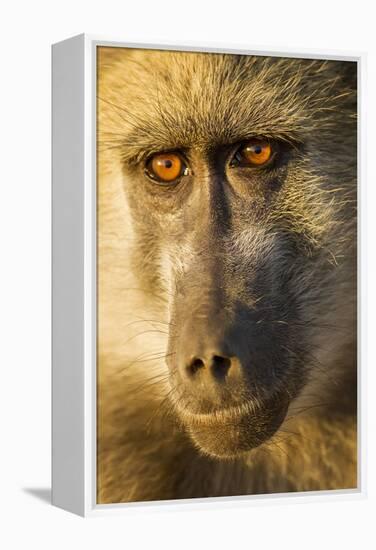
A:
(258, 149)
(168, 163)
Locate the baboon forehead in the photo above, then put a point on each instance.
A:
(162, 99)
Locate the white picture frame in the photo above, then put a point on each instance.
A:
(74, 279)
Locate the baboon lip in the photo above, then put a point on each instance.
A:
(251, 408)
(218, 415)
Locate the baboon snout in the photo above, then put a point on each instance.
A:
(223, 351)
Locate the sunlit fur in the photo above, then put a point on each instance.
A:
(150, 101)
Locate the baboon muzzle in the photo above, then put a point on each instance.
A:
(221, 368)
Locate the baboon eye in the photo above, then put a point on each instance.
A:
(256, 152)
(166, 167)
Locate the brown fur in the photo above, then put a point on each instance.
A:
(150, 101)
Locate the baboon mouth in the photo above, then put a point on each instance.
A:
(231, 432)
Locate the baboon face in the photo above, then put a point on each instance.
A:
(238, 172)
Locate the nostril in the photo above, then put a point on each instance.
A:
(195, 365)
(217, 366)
(220, 366)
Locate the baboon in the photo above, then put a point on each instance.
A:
(226, 275)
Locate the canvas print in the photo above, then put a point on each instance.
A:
(226, 273)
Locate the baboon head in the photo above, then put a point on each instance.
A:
(239, 176)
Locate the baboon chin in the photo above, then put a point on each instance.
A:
(233, 432)
(226, 275)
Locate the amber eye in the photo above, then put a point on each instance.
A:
(255, 152)
(166, 167)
